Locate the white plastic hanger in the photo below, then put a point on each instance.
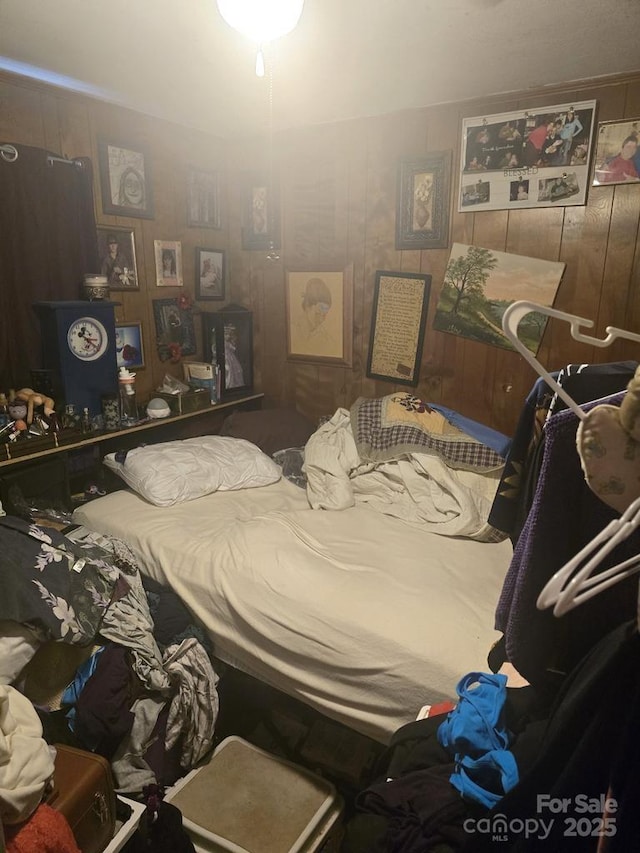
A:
(573, 583)
(517, 310)
(566, 590)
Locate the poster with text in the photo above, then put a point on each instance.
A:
(527, 158)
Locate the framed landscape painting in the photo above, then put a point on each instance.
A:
(480, 284)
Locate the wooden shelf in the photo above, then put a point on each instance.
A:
(13, 454)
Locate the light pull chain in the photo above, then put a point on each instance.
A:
(272, 254)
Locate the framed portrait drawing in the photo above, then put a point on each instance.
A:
(168, 255)
(125, 180)
(203, 199)
(129, 345)
(175, 335)
(319, 304)
(422, 213)
(400, 304)
(210, 274)
(538, 157)
(617, 156)
(228, 343)
(117, 253)
(261, 220)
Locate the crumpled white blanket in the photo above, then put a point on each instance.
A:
(419, 489)
(26, 762)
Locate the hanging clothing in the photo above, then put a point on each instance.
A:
(564, 517)
(592, 724)
(584, 383)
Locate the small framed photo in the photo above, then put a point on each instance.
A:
(203, 199)
(117, 253)
(617, 157)
(400, 304)
(168, 255)
(125, 180)
(210, 274)
(175, 335)
(261, 227)
(320, 315)
(422, 215)
(129, 346)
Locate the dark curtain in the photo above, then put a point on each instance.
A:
(47, 242)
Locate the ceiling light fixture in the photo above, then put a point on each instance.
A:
(261, 20)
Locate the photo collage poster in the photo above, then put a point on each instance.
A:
(527, 158)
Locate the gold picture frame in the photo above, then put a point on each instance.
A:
(319, 306)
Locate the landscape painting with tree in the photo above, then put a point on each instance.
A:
(480, 284)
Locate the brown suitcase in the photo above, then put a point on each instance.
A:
(83, 791)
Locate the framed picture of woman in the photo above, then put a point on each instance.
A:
(125, 180)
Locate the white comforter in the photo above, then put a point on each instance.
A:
(419, 489)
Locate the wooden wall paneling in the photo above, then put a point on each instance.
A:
(381, 144)
(20, 114)
(618, 269)
(350, 220)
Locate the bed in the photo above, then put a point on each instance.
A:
(361, 613)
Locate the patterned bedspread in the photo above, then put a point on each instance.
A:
(389, 428)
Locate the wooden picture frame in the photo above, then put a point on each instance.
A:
(228, 342)
(125, 180)
(129, 346)
(398, 321)
(319, 305)
(422, 211)
(614, 160)
(168, 256)
(117, 253)
(261, 225)
(175, 335)
(203, 199)
(211, 274)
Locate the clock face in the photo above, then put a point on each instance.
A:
(87, 338)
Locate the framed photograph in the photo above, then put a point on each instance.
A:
(319, 306)
(617, 157)
(210, 274)
(203, 199)
(125, 180)
(527, 158)
(168, 254)
(400, 304)
(261, 226)
(117, 253)
(422, 208)
(175, 335)
(129, 346)
(228, 343)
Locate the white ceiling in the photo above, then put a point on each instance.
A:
(177, 59)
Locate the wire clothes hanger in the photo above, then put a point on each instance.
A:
(518, 310)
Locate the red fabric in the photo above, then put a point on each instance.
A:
(46, 831)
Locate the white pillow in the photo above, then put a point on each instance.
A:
(176, 471)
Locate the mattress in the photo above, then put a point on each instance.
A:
(360, 615)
